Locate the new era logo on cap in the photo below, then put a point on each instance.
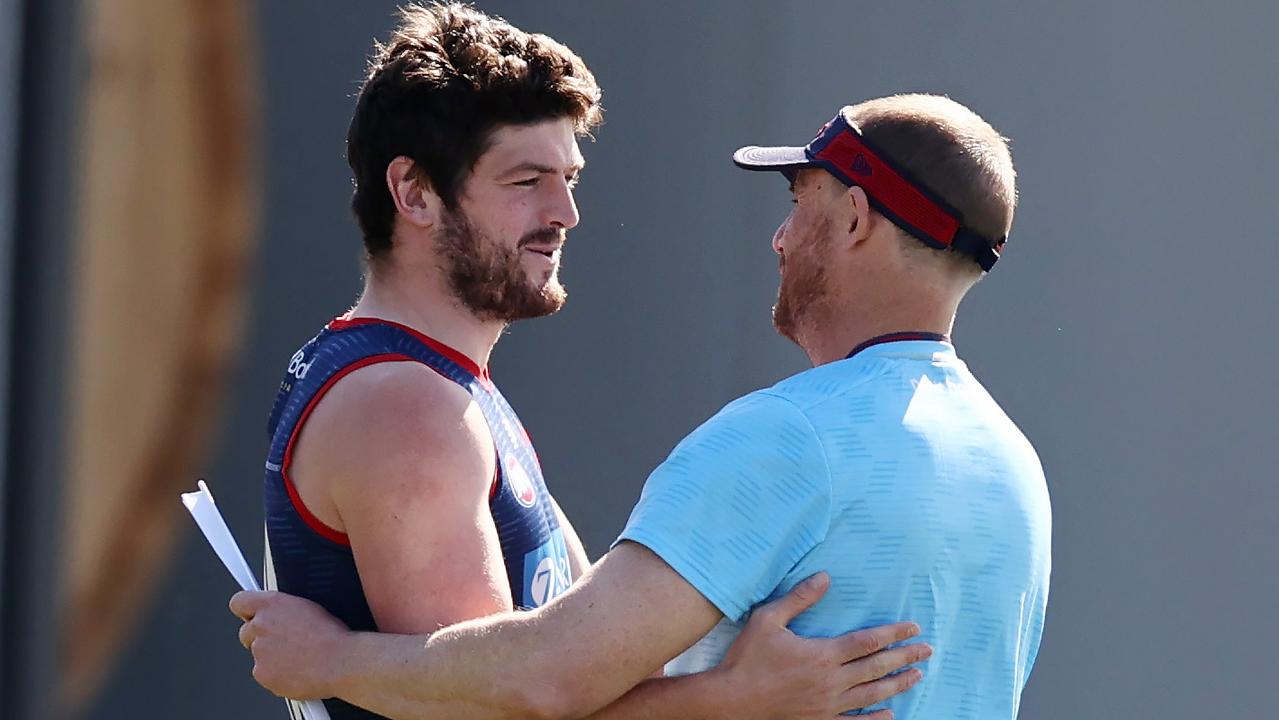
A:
(860, 166)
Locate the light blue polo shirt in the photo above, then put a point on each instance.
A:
(895, 472)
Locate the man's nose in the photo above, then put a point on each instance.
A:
(777, 236)
(561, 210)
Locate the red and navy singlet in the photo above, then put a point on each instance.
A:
(307, 558)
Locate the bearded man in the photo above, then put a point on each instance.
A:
(886, 465)
(402, 492)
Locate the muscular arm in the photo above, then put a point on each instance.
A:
(411, 495)
(300, 652)
(625, 618)
(707, 695)
(589, 647)
(400, 459)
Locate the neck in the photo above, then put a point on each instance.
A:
(850, 324)
(421, 299)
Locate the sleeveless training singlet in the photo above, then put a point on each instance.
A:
(305, 557)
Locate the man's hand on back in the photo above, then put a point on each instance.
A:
(778, 674)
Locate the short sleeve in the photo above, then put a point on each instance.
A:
(738, 503)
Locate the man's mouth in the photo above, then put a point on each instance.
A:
(547, 251)
(548, 254)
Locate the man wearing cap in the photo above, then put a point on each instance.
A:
(886, 465)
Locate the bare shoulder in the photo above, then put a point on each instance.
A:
(398, 427)
(397, 400)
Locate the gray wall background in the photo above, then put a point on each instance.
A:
(1129, 329)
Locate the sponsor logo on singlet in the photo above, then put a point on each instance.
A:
(519, 481)
(547, 574)
(297, 368)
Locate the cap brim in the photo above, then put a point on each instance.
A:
(754, 157)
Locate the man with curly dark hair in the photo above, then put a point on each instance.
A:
(402, 494)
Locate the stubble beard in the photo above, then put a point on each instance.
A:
(488, 279)
(801, 294)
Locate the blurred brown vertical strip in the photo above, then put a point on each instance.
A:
(168, 210)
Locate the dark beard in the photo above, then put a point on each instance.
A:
(488, 279)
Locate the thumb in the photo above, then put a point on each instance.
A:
(246, 603)
(800, 598)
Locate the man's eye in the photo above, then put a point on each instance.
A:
(530, 182)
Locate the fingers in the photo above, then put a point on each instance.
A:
(246, 603)
(882, 663)
(871, 693)
(246, 635)
(801, 597)
(859, 644)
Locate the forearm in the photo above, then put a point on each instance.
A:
(566, 659)
(462, 672)
(702, 696)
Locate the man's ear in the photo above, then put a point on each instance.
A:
(415, 201)
(858, 215)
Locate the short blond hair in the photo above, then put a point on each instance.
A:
(950, 150)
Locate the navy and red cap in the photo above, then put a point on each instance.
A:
(841, 150)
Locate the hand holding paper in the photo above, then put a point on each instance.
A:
(205, 512)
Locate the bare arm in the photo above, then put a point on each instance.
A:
(589, 646)
(618, 624)
(627, 616)
(402, 461)
(770, 673)
(704, 696)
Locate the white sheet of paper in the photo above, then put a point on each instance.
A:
(205, 511)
